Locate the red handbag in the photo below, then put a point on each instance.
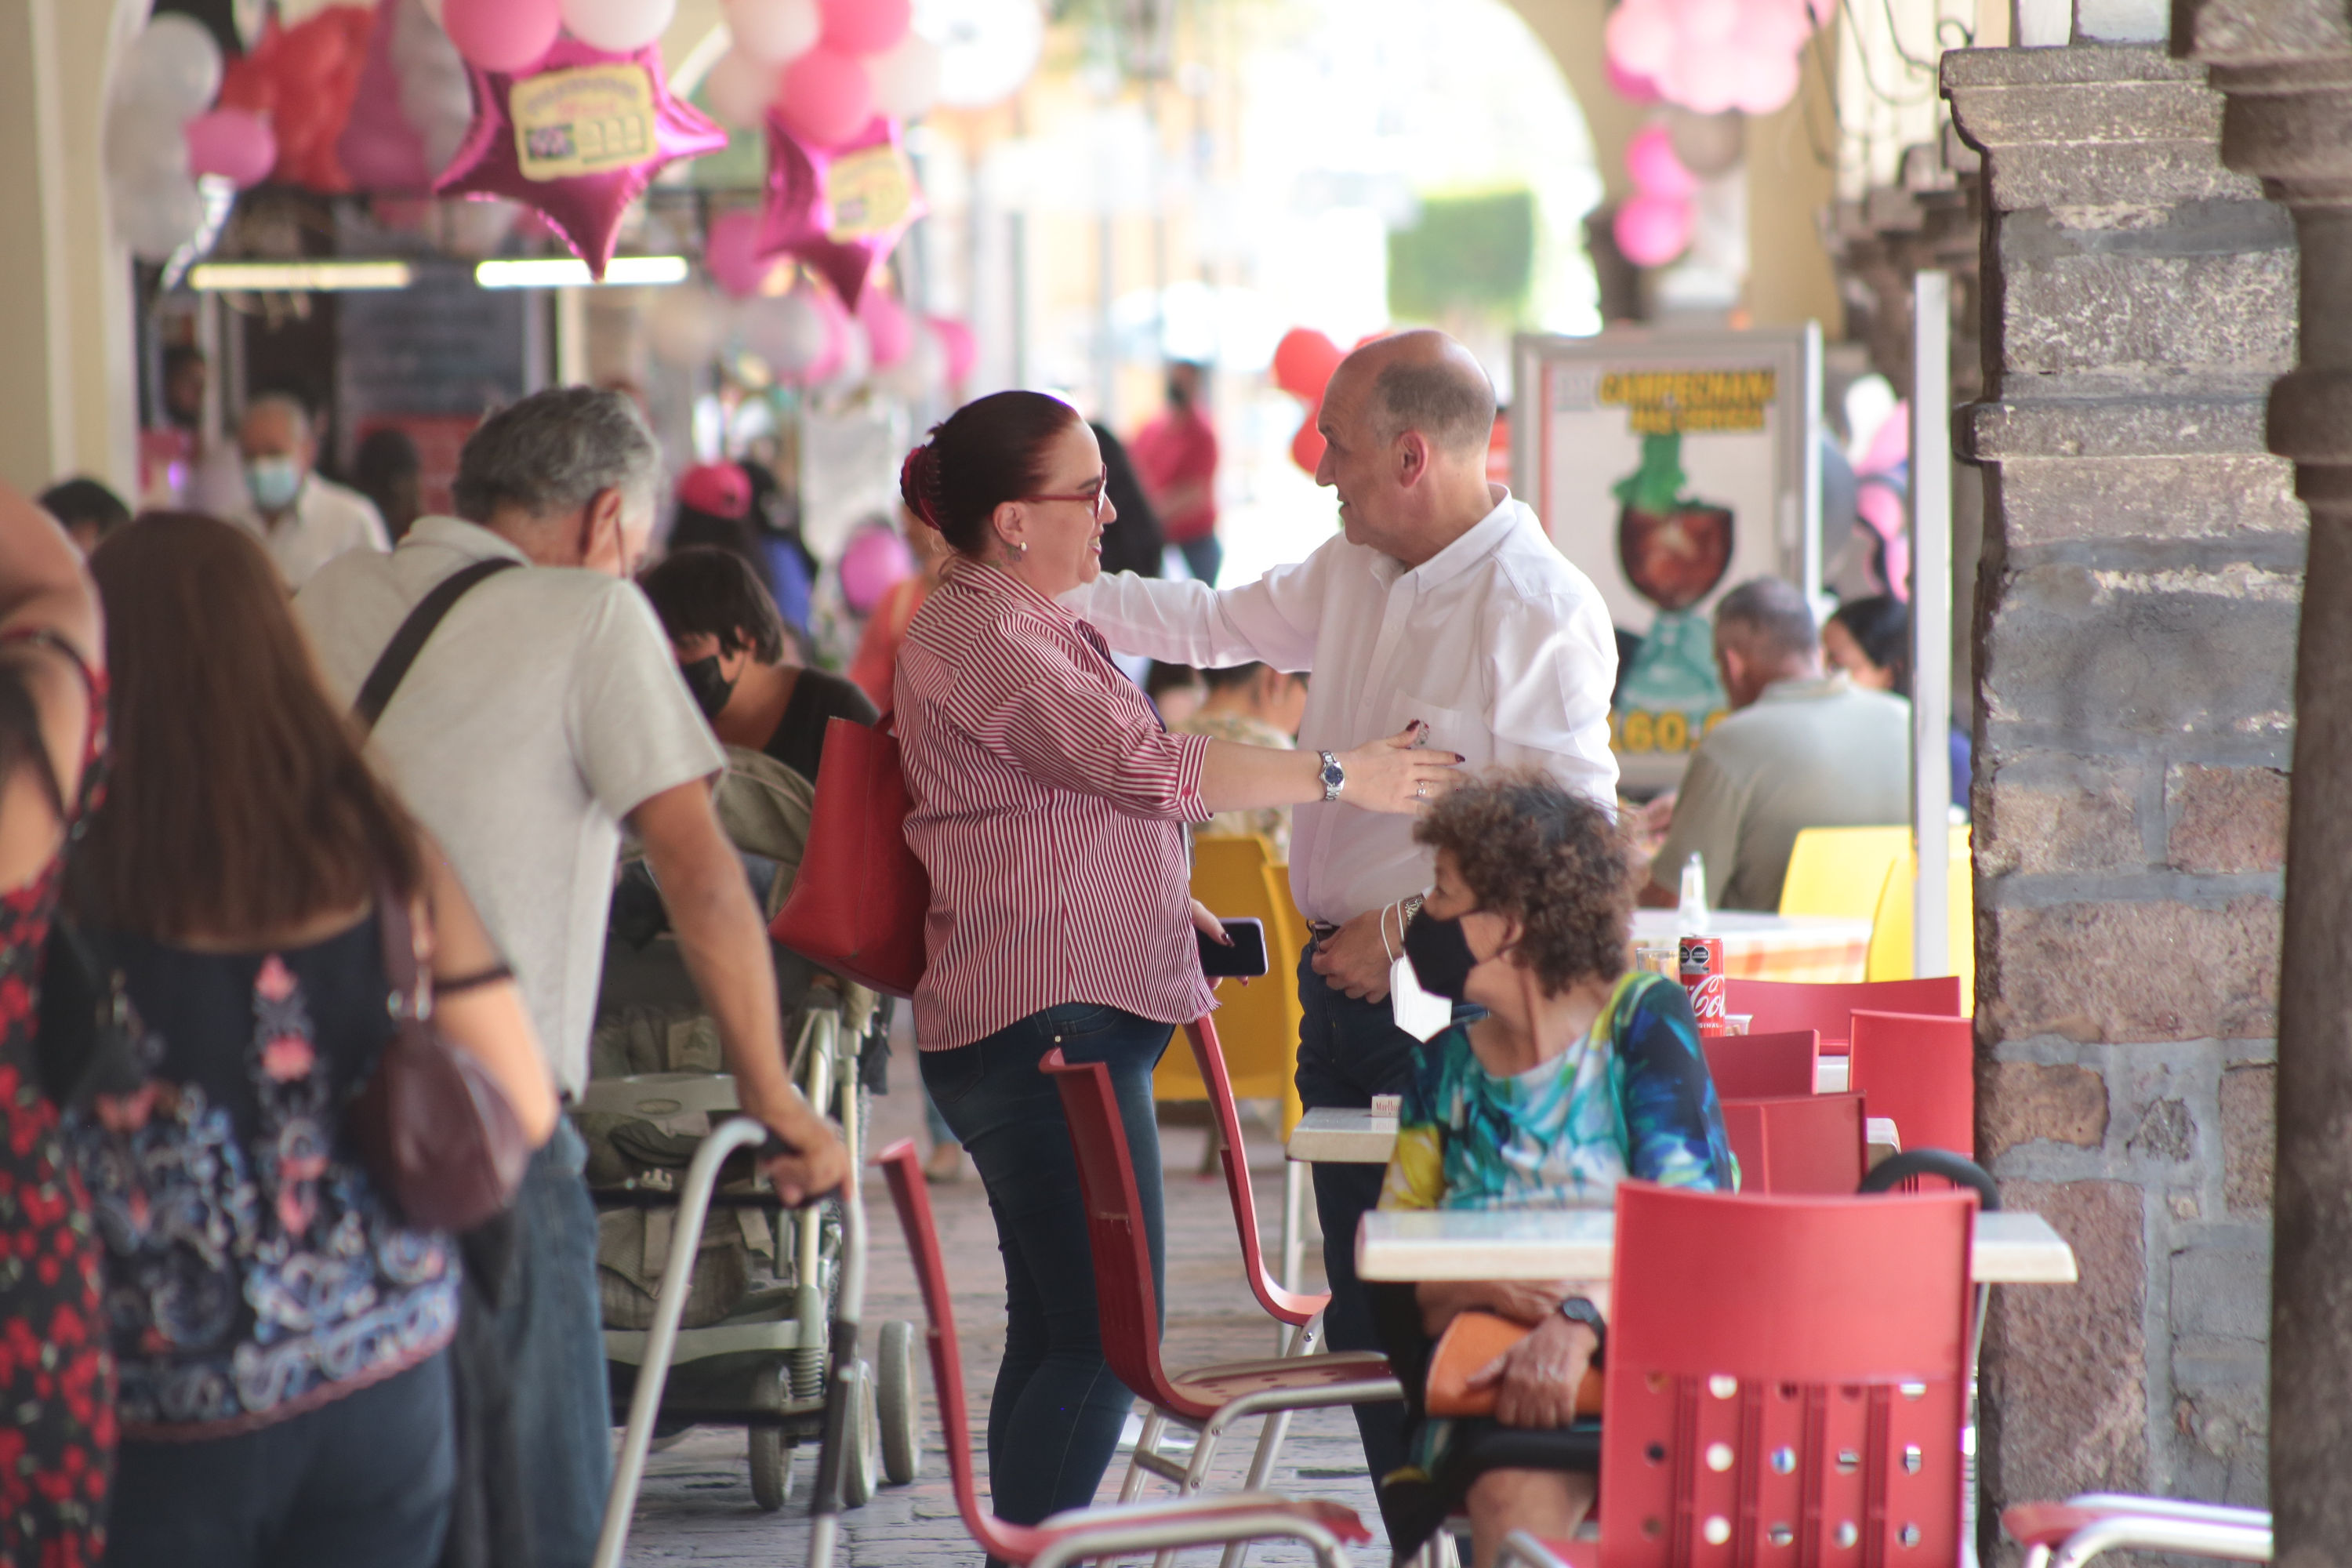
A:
(858, 903)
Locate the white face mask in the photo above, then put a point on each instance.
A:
(274, 481)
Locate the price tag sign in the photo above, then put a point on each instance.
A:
(589, 120)
(872, 190)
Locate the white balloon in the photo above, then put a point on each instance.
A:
(437, 96)
(738, 89)
(156, 216)
(145, 140)
(774, 31)
(857, 359)
(174, 61)
(433, 9)
(685, 326)
(620, 25)
(789, 331)
(922, 370)
(987, 47)
(906, 77)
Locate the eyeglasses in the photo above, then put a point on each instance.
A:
(1096, 498)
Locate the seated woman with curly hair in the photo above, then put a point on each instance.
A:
(1580, 1075)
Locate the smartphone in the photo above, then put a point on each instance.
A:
(1245, 959)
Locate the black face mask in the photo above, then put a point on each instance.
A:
(1442, 959)
(711, 689)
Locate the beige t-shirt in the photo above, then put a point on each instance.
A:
(1271, 822)
(1807, 753)
(544, 709)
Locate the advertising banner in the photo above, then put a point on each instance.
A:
(1670, 466)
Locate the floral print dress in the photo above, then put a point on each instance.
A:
(57, 1380)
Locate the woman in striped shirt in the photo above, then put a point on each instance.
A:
(1048, 810)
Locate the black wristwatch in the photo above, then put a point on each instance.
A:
(1333, 776)
(1578, 1309)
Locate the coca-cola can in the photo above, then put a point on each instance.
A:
(1703, 978)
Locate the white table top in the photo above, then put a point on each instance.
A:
(1656, 927)
(2011, 1247)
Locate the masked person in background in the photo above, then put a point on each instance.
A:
(302, 519)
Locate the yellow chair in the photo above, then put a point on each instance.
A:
(1841, 870)
(1890, 931)
(1258, 1023)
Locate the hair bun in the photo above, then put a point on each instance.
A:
(919, 484)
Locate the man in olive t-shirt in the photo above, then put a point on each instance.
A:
(1802, 748)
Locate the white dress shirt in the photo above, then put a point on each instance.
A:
(325, 520)
(1501, 645)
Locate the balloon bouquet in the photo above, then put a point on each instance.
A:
(163, 135)
(1710, 63)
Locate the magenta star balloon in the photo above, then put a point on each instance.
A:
(841, 210)
(578, 138)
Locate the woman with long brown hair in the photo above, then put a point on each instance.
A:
(56, 1381)
(280, 1330)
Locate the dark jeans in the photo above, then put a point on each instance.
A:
(1349, 1051)
(554, 1338)
(1203, 556)
(1054, 1423)
(363, 1483)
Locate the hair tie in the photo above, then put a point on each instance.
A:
(919, 484)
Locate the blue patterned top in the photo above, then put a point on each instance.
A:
(253, 1271)
(1633, 1098)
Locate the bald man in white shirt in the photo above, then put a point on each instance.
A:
(1444, 601)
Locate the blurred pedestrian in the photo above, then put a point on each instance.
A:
(387, 471)
(1176, 457)
(87, 511)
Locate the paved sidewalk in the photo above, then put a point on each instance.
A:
(696, 1505)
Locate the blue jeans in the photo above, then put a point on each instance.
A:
(1053, 1422)
(1349, 1051)
(362, 1482)
(552, 1331)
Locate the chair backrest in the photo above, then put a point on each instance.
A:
(1775, 1007)
(1125, 1297)
(1921, 1072)
(1787, 1380)
(1763, 1067)
(1286, 1306)
(1890, 956)
(1260, 1019)
(1839, 871)
(902, 1166)
(1802, 1145)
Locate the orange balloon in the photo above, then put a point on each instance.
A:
(1306, 446)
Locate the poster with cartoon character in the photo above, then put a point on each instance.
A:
(1670, 466)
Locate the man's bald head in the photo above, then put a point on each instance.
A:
(1426, 382)
(275, 425)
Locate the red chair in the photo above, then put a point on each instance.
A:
(1085, 1532)
(1209, 1400)
(1921, 1074)
(1763, 1067)
(1801, 1145)
(1774, 1006)
(1785, 1383)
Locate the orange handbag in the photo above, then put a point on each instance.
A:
(858, 903)
(1469, 1343)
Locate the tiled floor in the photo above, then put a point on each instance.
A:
(696, 1504)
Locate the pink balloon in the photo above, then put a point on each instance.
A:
(1707, 80)
(956, 341)
(876, 560)
(1627, 85)
(1653, 231)
(836, 336)
(1890, 443)
(1650, 163)
(888, 328)
(511, 35)
(1705, 22)
(864, 27)
(1639, 38)
(233, 143)
(824, 96)
(1773, 26)
(731, 251)
(1765, 82)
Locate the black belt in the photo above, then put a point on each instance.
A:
(1321, 931)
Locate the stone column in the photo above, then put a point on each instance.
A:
(2134, 629)
(2287, 67)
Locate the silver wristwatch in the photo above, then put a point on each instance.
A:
(1333, 776)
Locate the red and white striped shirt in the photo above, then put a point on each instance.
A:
(1048, 805)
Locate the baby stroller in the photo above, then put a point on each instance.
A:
(764, 1289)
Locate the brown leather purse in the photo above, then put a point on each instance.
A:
(1469, 1343)
(437, 1131)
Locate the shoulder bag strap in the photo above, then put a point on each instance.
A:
(392, 666)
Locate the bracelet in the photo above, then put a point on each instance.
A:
(472, 982)
(1384, 934)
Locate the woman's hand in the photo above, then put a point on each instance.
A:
(1398, 774)
(1209, 925)
(1538, 1376)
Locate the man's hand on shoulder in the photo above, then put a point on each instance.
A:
(1354, 959)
